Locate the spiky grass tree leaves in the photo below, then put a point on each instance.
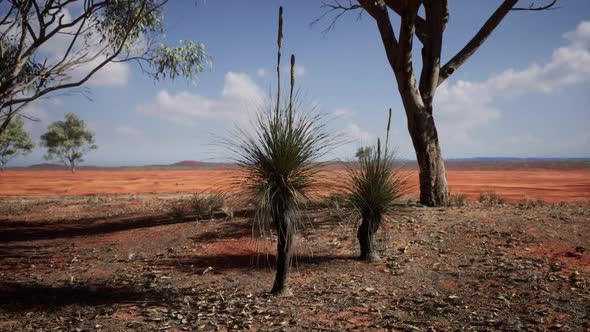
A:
(374, 185)
(14, 141)
(280, 160)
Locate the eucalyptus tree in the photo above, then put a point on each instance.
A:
(68, 141)
(51, 46)
(14, 141)
(426, 21)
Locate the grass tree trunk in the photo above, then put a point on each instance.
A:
(433, 181)
(366, 236)
(284, 226)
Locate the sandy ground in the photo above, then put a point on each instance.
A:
(125, 263)
(550, 185)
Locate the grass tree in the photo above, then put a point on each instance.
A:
(68, 141)
(374, 185)
(280, 161)
(14, 141)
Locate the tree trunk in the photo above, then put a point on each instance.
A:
(284, 228)
(433, 181)
(366, 236)
(73, 169)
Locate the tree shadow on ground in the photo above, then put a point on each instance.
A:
(251, 260)
(28, 231)
(17, 296)
(225, 231)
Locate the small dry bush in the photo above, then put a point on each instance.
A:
(458, 199)
(206, 204)
(199, 204)
(527, 203)
(491, 198)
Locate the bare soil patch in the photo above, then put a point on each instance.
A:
(549, 185)
(122, 262)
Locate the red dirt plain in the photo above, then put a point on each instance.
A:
(550, 185)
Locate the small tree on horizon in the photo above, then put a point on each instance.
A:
(363, 152)
(68, 141)
(14, 141)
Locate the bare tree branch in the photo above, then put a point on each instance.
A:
(339, 9)
(550, 6)
(480, 37)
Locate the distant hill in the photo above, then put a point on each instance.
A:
(190, 163)
(481, 163)
(51, 166)
(48, 166)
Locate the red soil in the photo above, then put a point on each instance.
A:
(550, 185)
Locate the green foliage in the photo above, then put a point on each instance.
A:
(68, 141)
(363, 152)
(8, 61)
(99, 32)
(14, 141)
(185, 61)
(375, 184)
(281, 157)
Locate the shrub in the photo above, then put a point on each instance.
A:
(458, 199)
(491, 198)
(203, 204)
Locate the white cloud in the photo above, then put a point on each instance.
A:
(464, 106)
(129, 132)
(239, 96)
(353, 131)
(580, 36)
(113, 74)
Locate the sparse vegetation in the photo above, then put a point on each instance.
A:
(199, 205)
(205, 204)
(458, 199)
(526, 203)
(491, 198)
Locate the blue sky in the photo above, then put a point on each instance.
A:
(523, 94)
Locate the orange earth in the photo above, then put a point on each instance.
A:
(549, 185)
